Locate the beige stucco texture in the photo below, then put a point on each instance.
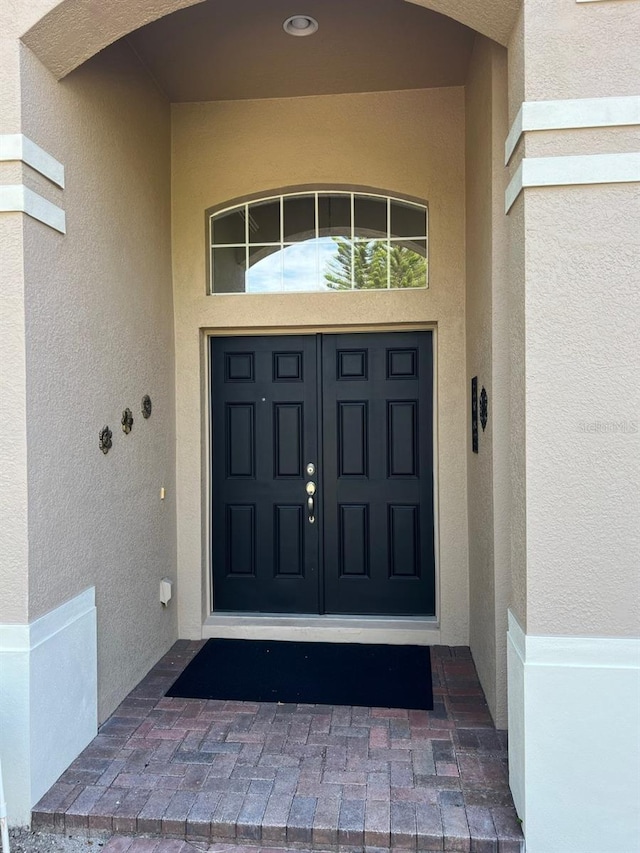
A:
(99, 335)
(13, 416)
(64, 34)
(487, 357)
(606, 32)
(406, 143)
(583, 400)
(492, 18)
(517, 412)
(14, 546)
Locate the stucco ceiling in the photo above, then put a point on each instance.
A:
(237, 50)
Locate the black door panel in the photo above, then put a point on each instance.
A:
(264, 431)
(378, 440)
(370, 549)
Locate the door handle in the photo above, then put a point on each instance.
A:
(310, 488)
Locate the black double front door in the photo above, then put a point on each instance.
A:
(322, 474)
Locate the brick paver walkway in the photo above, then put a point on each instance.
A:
(241, 773)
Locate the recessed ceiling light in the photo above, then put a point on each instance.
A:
(300, 25)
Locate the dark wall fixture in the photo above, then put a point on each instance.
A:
(127, 421)
(484, 408)
(474, 414)
(105, 439)
(106, 436)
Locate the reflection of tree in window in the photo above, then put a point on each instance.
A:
(367, 266)
(319, 241)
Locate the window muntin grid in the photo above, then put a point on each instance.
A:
(319, 241)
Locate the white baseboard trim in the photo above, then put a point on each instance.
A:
(572, 171)
(330, 629)
(48, 703)
(16, 198)
(574, 741)
(571, 114)
(17, 146)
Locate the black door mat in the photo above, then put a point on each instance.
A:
(374, 676)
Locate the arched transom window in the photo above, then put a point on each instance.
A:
(319, 241)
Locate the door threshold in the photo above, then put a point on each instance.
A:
(312, 628)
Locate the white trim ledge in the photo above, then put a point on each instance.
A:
(48, 704)
(619, 652)
(514, 188)
(331, 629)
(17, 146)
(572, 171)
(563, 691)
(16, 198)
(572, 114)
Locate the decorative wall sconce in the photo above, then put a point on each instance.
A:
(127, 421)
(105, 440)
(146, 406)
(474, 414)
(484, 408)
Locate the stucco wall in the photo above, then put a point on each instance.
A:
(408, 143)
(574, 357)
(479, 92)
(13, 450)
(99, 335)
(62, 33)
(581, 50)
(511, 312)
(500, 412)
(488, 359)
(583, 400)
(515, 58)
(518, 412)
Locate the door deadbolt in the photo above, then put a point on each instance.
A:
(311, 469)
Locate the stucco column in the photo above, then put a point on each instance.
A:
(14, 739)
(86, 329)
(573, 207)
(13, 448)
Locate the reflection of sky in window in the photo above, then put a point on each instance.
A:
(294, 268)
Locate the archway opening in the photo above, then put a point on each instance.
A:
(70, 33)
(211, 103)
